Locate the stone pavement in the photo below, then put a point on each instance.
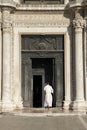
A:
(43, 121)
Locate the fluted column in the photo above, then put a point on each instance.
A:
(6, 95)
(78, 24)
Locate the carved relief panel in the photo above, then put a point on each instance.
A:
(42, 42)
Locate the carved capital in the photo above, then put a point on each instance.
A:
(7, 23)
(78, 22)
(8, 30)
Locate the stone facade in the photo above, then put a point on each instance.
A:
(22, 17)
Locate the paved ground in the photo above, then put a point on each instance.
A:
(68, 122)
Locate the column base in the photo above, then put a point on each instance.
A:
(59, 103)
(79, 105)
(7, 106)
(18, 104)
(67, 105)
(0, 106)
(86, 105)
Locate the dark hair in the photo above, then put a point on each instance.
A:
(47, 82)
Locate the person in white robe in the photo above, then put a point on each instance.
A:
(48, 96)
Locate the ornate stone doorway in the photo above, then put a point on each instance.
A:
(42, 63)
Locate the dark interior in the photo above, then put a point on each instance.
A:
(37, 91)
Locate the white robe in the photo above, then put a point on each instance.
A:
(48, 96)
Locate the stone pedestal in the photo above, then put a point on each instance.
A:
(78, 24)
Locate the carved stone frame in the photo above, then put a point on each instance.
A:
(17, 55)
(28, 55)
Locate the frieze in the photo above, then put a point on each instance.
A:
(28, 25)
(41, 20)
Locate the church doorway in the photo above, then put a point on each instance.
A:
(42, 61)
(42, 72)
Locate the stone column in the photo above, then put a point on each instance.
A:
(6, 95)
(78, 24)
(0, 55)
(67, 54)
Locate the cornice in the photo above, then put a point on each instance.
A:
(78, 4)
(41, 7)
(7, 3)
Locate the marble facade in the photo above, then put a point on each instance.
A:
(68, 18)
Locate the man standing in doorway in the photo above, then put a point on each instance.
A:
(48, 96)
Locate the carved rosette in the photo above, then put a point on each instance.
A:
(78, 22)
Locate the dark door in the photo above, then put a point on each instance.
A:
(37, 91)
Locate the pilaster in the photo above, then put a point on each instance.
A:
(59, 79)
(0, 55)
(6, 28)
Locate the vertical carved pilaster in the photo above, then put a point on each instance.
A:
(6, 96)
(26, 85)
(78, 24)
(59, 80)
(0, 53)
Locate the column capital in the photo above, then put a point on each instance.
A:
(6, 19)
(6, 9)
(79, 22)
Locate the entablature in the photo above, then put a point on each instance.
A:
(7, 3)
(77, 3)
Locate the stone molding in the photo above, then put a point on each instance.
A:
(22, 24)
(7, 3)
(41, 21)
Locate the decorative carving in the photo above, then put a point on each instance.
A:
(25, 59)
(78, 22)
(41, 20)
(7, 23)
(38, 54)
(42, 46)
(42, 42)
